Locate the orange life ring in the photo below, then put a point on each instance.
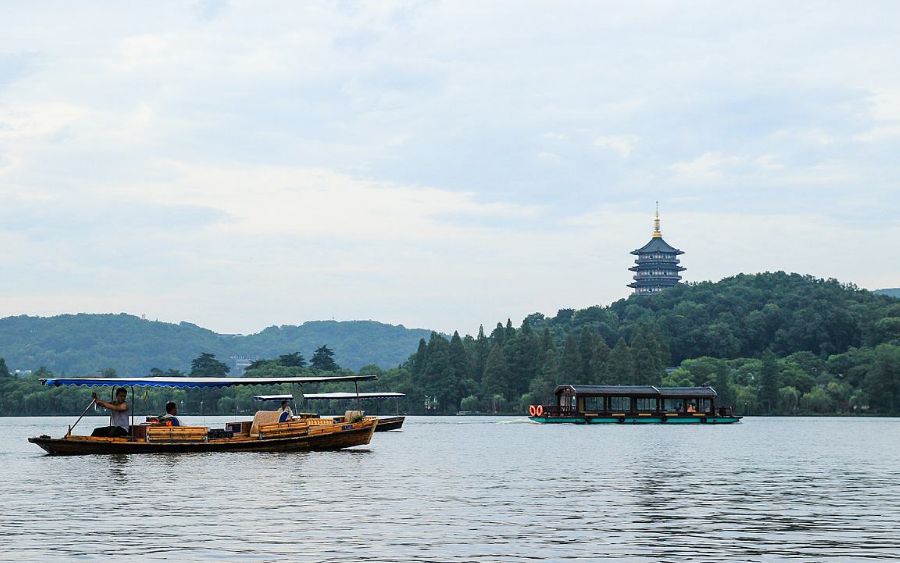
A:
(539, 410)
(531, 410)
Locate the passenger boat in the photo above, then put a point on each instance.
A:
(633, 404)
(385, 423)
(262, 434)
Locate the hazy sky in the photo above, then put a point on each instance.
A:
(435, 164)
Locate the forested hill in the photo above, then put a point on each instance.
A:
(743, 316)
(892, 291)
(771, 343)
(86, 344)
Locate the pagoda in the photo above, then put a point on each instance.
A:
(657, 266)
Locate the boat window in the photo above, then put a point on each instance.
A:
(673, 405)
(593, 404)
(704, 405)
(620, 403)
(646, 404)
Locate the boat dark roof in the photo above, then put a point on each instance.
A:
(631, 390)
(640, 391)
(657, 244)
(682, 392)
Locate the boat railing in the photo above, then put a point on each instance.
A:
(557, 410)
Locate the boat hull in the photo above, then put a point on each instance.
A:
(357, 434)
(390, 423)
(636, 420)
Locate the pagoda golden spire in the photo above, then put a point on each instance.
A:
(656, 232)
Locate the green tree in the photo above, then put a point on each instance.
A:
(458, 384)
(420, 358)
(4, 371)
(206, 365)
(769, 382)
(496, 373)
(621, 364)
(570, 365)
(294, 360)
(482, 349)
(648, 364)
(323, 360)
(600, 374)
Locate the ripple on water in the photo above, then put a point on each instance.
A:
(473, 489)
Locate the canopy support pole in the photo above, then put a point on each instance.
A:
(356, 384)
(69, 433)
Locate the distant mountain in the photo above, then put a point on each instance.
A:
(893, 291)
(84, 344)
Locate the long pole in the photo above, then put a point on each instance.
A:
(69, 433)
(131, 426)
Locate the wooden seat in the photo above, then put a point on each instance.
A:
(283, 429)
(177, 433)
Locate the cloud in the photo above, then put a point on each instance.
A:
(621, 145)
(430, 163)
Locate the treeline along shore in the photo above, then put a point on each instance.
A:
(770, 344)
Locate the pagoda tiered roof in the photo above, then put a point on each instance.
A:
(657, 244)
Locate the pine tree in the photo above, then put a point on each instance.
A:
(295, 360)
(768, 381)
(621, 364)
(498, 335)
(4, 371)
(460, 368)
(496, 373)
(323, 360)
(542, 387)
(586, 347)
(570, 366)
(419, 359)
(509, 332)
(600, 374)
(206, 365)
(482, 349)
(436, 379)
(648, 365)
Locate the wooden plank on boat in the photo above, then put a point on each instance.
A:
(283, 429)
(177, 433)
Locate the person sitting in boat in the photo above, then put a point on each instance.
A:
(286, 412)
(691, 407)
(170, 418)
(118, 415)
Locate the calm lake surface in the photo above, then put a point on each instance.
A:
(471, 489)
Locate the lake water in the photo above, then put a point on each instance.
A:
(472, 489)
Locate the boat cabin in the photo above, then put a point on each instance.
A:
(633, 404)
(634, 399)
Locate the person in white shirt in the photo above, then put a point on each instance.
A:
(118, 415)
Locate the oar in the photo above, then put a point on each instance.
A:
(69, 433)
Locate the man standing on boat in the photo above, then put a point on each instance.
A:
(118, 415)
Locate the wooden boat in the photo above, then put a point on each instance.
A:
(633, 404)
(385, 423)
(263, 434)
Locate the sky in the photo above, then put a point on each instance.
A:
(435, 164)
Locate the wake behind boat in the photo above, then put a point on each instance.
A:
(268, 431)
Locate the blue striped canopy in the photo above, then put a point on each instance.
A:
(195, 382)
(334, 396)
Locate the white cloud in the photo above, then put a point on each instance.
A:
(405, 161)
(621, 145)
